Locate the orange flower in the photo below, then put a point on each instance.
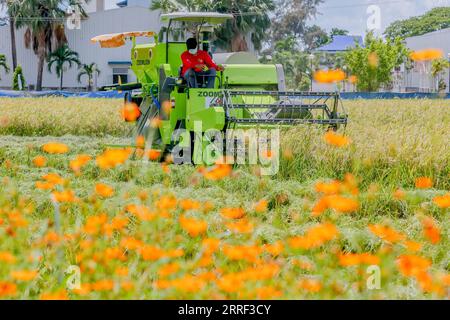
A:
(240, 226)
(431, 230)
(140, 211)
(24, 275)
(7, 257)
(151, 253)
(329, 76)
(217, 172)
(249, 253)
(328, 188)
(188, 204)
(335, 139)
(121, 271)
(65, 196)
(232, 213)
(399, 194)
(44, 185)
(268, 292)
(426, 55)
(424, 183)
(7, 289)
(55, 148)
(103, 285)
(336, 202)
(53, 178)
(188, 283)
(274, 249)
(210, 245)
(153, 154)
(411, 265)
(342, 204)
(351, 259)
(311, 285)
(443, 201)
(168, 269)
(413, 246)
(261, 206)
(130, 112)
(230, 283)
(386, 233)
(104, 190)
(39, 161)
(193, 226)
(59, 295)
(79, 161)
(113, 157)
(140, 142)
(315, 237)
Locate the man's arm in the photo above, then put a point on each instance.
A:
(208, 61)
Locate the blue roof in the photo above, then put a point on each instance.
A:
(341, 43)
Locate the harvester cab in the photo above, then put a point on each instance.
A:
(246, 93)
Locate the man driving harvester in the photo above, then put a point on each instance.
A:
(198, 66)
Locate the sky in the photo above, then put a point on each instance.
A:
(351, 14)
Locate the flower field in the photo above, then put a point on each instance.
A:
(360, 216)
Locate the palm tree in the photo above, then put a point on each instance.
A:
(59, 57)
(44, 23)
(12, 7)
(437, 69)
(89, 70)
(3, 63)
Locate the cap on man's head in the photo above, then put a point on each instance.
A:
(191, 43)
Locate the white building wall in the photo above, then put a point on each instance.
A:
(419, 78)
(109, 21)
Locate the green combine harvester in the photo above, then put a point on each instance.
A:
(247, 94)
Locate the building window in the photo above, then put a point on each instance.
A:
(121, 73)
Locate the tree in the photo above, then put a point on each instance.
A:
(13, 7)
(3, 63)
(43, 20)
(314, 38)
(296, 64)
(18, 79)
(249, 16)
(89, 70)
(373, 63)
(58, 58)
(437, 71)
(435, 19)
(290, 19)
(338, 32)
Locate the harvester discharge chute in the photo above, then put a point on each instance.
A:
(246, 93)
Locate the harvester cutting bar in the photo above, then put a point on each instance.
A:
(299, 94)
(277, 105)
(282, 107)
(290, 121)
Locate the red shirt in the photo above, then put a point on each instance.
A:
(191, 60)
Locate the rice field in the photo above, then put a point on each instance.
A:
(367, 220)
